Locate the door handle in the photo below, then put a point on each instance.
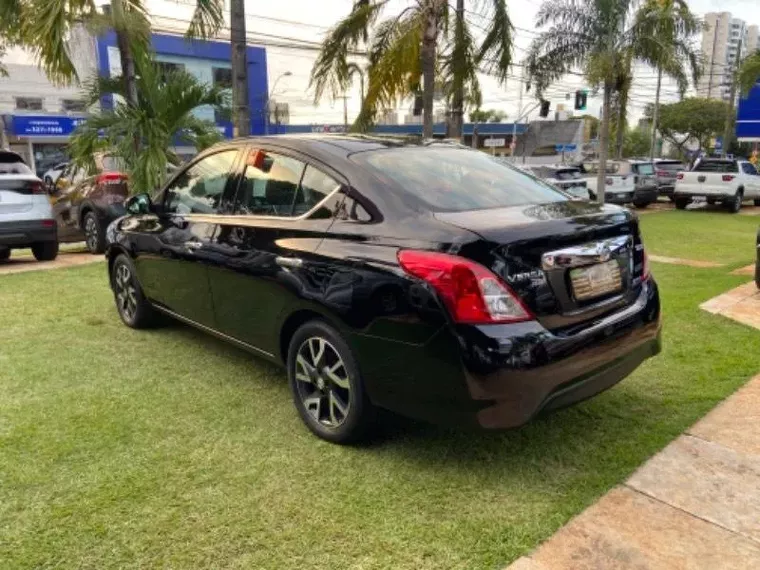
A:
(193, 245)
(292, 262)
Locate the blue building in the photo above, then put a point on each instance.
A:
(748, 117)
(208, 61)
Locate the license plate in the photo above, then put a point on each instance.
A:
(596, 280)
(699, 198)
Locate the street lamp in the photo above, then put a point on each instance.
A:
(269, 98)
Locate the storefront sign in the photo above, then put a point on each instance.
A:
(44, 126)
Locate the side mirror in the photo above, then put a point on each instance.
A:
(139, 204)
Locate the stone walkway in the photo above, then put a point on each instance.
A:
(21, 264)
(695, 505)
(741, 304)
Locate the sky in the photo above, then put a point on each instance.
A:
(308, 20)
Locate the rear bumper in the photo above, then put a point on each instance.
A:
(666, 189)
(619, 197)
(501, 376)
(26, 232)
(717, 193)
(646, 194)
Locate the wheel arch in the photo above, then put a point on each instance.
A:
(294, 321)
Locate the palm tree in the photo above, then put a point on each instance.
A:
(597, 37)
(162, 118)
(672, 24)
(44, 26)
(749, 72)
(424, 45)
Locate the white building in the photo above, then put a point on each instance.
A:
(753, 38)
(725, 41)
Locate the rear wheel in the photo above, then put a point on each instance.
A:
(134, 309)
(94, 236)
(327, 387)
(45, 251)
(5, 254)
(641, 205)
(711, 201)
(735, 204)
(756, 202)
(681, 203)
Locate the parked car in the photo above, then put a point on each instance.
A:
(666, 171)
(419, 277)
(567, 178)
(714, 180)
(627, 182)
(26, 219)
(51, 175)
(84, 203)
(645, 182)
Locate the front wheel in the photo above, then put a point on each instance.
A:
(327, 387)
(640, 205)
(94, 236)
(756, 202)
(134, 309)
(735, 204)
(45, 251)
(5, 254)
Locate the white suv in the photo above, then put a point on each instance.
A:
(26, 218)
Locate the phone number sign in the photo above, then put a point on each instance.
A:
(44, 126)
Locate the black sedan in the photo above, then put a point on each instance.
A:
(419, 277)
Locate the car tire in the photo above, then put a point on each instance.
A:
(45, 250)
(681, 203)
(326, 384)
(641, 205)
(756, 202)
(5, 254)
(757, 273)
(48, 182)
(133, 307)
(94, 235)
(735, 204)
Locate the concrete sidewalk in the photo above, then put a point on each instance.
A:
(21, 264)
(694, 505)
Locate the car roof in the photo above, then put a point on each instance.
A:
(349, 143)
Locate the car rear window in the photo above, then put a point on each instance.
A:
(670, 166)
(569, 174)
(456, 179)
(11, 163)
(645, 169)
(716, 166)
(113, 164)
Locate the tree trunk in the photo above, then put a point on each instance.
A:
(125, 53)
(620, 133)
(429, 40)
(604, 141)
(656, 114)
(457, 106)
(241, 110)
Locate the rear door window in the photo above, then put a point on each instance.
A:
(716, 166)
(749, 168)
(449, 179)
(270, 185)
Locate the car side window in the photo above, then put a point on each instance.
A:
(315, 187)
(270, 185)
(749, 168)
(199, 189)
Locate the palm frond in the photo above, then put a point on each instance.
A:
(207, 19)
(330, 70)
(495, 53)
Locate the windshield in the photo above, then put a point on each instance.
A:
(716, 166)
(645, 169)
(455, 179)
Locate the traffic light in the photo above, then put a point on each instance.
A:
(581, 98)
(545, 106)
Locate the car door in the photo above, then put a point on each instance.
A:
(752, 184)
(63, 201)
(284, 206)
(172, 245)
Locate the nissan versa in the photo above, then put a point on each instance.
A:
(420, 277)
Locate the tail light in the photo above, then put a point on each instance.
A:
(110, 178)
(471, 293)
(36, 187)
(661, 173)
(679, 176)
(48, 223)
(728, 177)
(608, 181)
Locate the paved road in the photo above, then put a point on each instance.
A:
(21, 264)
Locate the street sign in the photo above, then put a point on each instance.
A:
(565, 147)
(495, 142)
(718, 143)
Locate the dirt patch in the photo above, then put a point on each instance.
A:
(24, 263)
(681, 261)
(746, 270)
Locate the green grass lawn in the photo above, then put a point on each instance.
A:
(168, 449)
(707, 236)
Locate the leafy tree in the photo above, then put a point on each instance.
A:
(599, 37)
(425, 44)
(162, 118)
(487, 116)
(694, 119)
(749, 72)
(636, 142)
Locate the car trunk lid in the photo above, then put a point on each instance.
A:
(570, 262)
(17, 193)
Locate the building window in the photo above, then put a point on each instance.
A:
(166, 67)
(73, 105)
(222, 77)
(29, 103)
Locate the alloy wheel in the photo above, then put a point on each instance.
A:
(126, 293)
(322, 382)
(91, 233)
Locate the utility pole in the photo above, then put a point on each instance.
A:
(241, 110)
(456, 119)
(519, 114)
(732, 100)
(345, 112)
(656, 113)
(712, 59)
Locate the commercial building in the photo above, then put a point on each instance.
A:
(725, 41)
